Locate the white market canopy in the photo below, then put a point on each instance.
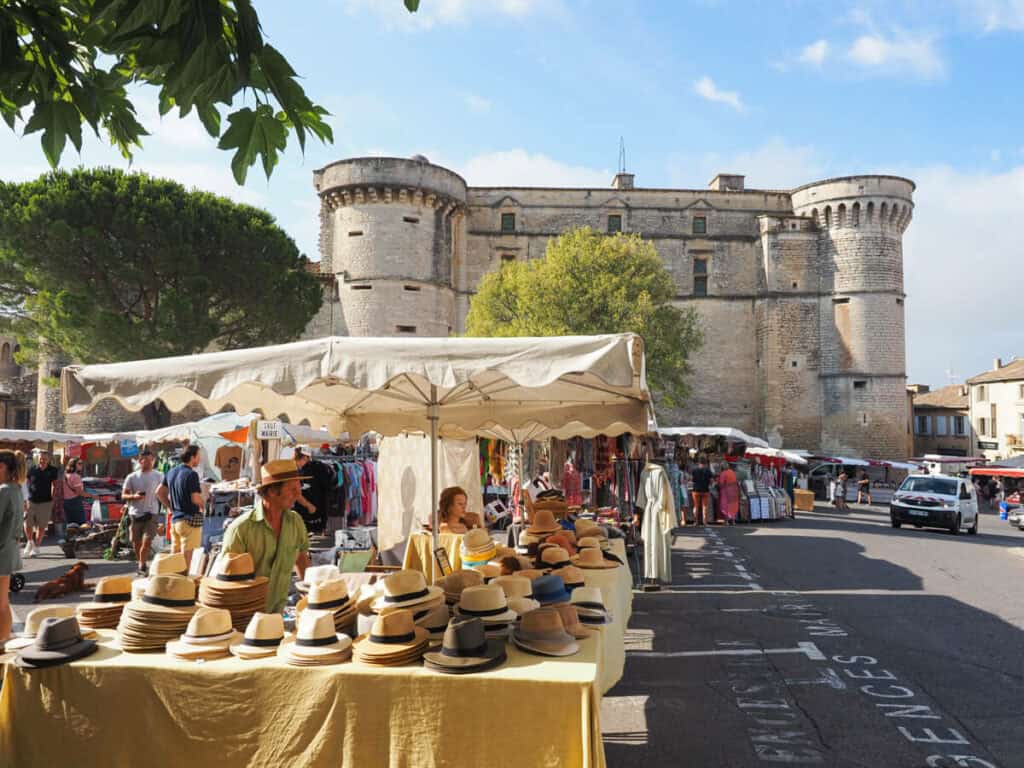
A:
(392, 385)
(729, 433)
(777, 453)
(37, 437)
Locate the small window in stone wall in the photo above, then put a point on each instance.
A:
(700, 225)
(508, 257)
(21, 418)
(899, 302)
(843, 300)
(362, 287)
(860, 384)
(413, 288)
(411, 219)
(405, 329)
(508, 222)
(355, 233)
(614, 223)
(700, 285)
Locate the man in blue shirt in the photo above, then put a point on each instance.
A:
(180, 493)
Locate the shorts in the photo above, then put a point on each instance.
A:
(185, 536)
(39, 514)
(142, 528)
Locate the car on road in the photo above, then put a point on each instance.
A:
(935, 501)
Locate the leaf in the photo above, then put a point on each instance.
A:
(412, 5)
(57, 120)
(251, 134)
(210, 118)
(280, 78)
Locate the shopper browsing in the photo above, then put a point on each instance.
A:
(312, 504)
(701, 478)
(180, 493)
(12, 474)
(41, 479)
(140, 491)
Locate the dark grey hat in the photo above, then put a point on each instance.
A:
(58, 642)
(466, 648)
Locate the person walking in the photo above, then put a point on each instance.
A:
(74, 493)
(181, 493)
(701, 479)
(728, 495)
(41, 479)
(863, 487)
(140, 492)
(840, 492)
(12, 475)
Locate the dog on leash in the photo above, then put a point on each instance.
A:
(72, 581)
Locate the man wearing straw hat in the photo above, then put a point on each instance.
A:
(272, 532)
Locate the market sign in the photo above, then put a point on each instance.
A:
(129, 448)
(988, 446)
(269, 430)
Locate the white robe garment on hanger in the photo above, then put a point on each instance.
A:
(655, 498)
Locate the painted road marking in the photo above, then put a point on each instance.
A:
(828, 677)
(810, 650)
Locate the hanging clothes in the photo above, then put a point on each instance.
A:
(572, 485)
(659, 515)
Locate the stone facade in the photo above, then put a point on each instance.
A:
(942, 422)
(996, 407)
(800, 292)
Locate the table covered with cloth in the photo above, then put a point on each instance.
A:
(419, 552)
(113, 708)
(617, 592)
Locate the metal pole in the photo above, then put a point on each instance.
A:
(432, 415)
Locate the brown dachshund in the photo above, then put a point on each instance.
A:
(72, 581)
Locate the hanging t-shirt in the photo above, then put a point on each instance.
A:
(228, 460)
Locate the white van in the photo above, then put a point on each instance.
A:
(936, 501)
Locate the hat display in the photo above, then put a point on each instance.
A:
(523, 605)
(234, 585)
(554, 557)
(563, 539)
(550, 503)
(366, 596)
(316, 643)
(530, 573)
(489, 604)
(477, 547)
(394, 640)
(263, 636)
(543, 522)
(542, 632)
(207, 637)
(466, 648)
(585, 528)
(407, 589)
(165, 563)
(571, 576)
(108, 600)
(589, 604)
(34, 621)
(488, 571)
(550, 589)
(592, 558)
(514, 586)
(58, 641)
(435, 621)
(571, 621)
(332, 595)
(455, 582)
(588, 542)
(280, 471)
(315, 574)
(160, 615)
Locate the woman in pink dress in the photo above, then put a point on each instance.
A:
(728, 495)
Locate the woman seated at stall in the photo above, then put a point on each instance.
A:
(452, 514)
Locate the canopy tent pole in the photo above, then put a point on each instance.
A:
(433, 416)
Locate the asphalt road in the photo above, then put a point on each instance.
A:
(829, 640)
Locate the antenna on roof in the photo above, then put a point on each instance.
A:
(953, 376)
(622, 155)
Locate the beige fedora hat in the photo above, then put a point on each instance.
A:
(406, 589)
(571, 576)
(234, 570)
(34, 621)
(590, 606)
(165, 563)
(263, 636)
(393, 636)
(209, 634)
(555, 557)
(316, 640)
(523, 605)
(330, 595)
(280, 471)
(571, 621)
(110, 592)
(593, 559)
(487, 603)
(542, 632)
(543, 522)
(514, 586)
(168, 594)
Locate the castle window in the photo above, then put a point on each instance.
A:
(614, 223)
(700, 277)
(860, 384)
(841, 300)
(21, 418)
(413, 288)
(899, 302)
(793, 364)
(362, 287)
(355, 233)
(700, 225)
(794, 285)
(405, 329)
(411, 219)
(508, 222)
(508, 257)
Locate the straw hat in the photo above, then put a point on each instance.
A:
(530, 573)
(466, 648)
(487, 570)
(514, 586)
(435, 621)
(555, 557)
(173, 595)
(593, 559)
(332, 595)
(279, 471)
(316, 643)
(589, 604)
(571, 621)
(455, 582)
(394, 640)
(406, 589)
(58, 641)
(235, 586)
(109, 598)
(208, 636)
(543, 522)
(165, 563)
(234, 571)
(487, 603)
(588, 542)
(563, 539)
(523, 605)
(315, 574)
(34, 621)
(525, 563)
(542, 632)
(161, 614)
(262, 638)
(477, 541)
(553, 505)
(571, 576)
(550, 589)
(589, 528)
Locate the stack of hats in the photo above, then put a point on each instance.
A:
(593, 559)
(208, 636)
(315, 574)
(477, 548)
(162, 614)
(465, 649)
(263, 636)
(571, 621)
(553, 557)
(408, 590)
(332, 595)
(550, 589)
(111, 595)
(163, 564)
(489, 604)
(542, 632)
(235, 586)
(589, 529)
(455, 582)
(564, 539)
(58, 641)
(34, 621)
(543, 523)
(435, 622)
(519, 592)
(570, 575)
(316, 643)
(590, 606)
(393, 641)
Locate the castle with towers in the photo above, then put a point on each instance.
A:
(800, 292)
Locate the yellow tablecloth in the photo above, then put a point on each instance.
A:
(617, 591)
(419, 552)
(127, 709)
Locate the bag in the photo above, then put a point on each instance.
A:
(97, 511)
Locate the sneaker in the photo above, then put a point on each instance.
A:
(31, 550)
(27, 549)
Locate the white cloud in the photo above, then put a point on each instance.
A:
(774, 165)
(898, 55)
(995, 15)
(519, 168)
(815, 53)
(434, 12)
(476, 102)
(706, 89)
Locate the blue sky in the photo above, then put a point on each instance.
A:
(539, 92)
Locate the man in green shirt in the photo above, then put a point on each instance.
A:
(273, 533)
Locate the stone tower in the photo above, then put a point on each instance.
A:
(391, 233)
(859, 222)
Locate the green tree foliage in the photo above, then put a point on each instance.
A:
(589, 283)
(107, 266)
(68, 62)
